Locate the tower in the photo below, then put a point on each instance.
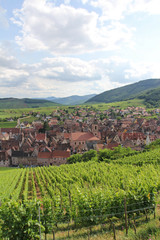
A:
(95, 128)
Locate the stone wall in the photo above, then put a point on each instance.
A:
(4, 163)
(24, 160)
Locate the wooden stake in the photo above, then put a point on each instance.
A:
(134, 220)
(68, 229)
(146, 216)
(90, 228)
(70, 203)
(39, 222)
(54, 237)
(125, 210)
(114, 231)
(134, 226)
(154, 212)
(88, 234)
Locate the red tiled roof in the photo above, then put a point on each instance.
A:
(12, 130)
(83, 136)
(56, 153)
(40, 136)
(67, 135)
(133, 136)
(28, 130)
(60, 153)
(45, 155)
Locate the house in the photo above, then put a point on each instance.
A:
(44, 158)
(9, 144)
(41, 138)
(83, 138)
(4, 159)
(13, 131)
(60, 157)
(57, 157)
(135, 139)
(37, 125)
(20, 157)
(53, 122)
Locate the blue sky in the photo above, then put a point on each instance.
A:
(67, 47)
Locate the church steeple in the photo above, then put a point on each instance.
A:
(95, 128)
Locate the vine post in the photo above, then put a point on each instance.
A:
(114, 231)
(126, 217)
(39, 221)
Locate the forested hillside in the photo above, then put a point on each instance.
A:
(11, 103)
(127, 92)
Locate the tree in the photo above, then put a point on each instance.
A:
(90, 155)
(45, 127)
(74, 158)
(104, 154)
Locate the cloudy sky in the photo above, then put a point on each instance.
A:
(66, 47)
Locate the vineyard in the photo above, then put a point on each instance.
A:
(144, 158)
(87, 194)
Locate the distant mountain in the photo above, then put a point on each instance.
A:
(71, 100)
(24, 103)
(130, 91)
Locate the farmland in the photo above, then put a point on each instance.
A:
(87, 194)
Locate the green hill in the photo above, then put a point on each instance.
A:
(151, 98)
(9, 103)
(130, 91)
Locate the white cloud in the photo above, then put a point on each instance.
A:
(117, 9)
(64, 76)
(111, 10)
(12, 74)
(66, 30)
(142, 71)
(148, 6)
(69, 69)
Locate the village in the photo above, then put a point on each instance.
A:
(51, 139)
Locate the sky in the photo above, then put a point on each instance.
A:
(76, 47)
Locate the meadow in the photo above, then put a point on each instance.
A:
(121, 105)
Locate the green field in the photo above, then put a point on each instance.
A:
(121, 105)
(6, 169)
(8, 124)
